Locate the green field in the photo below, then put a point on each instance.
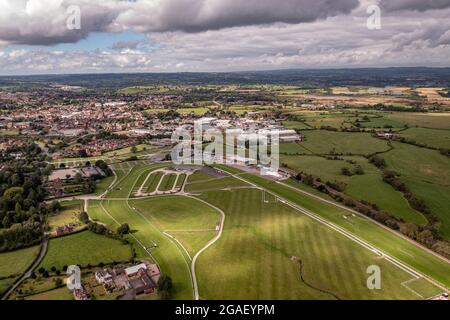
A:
(346, 143)
(215, 184)
(84, 248)
(427, 175)
(254, 259)
(101, 186)
(425, 120)
(153, 181)
(369, 186)
(180, 181)
(68, 214)
(167, 182)
(431, 137)
(178, 213)
(196, 111)
(168, 255)
(386, 240)
(16, 262)
(57, 294)
(128, 182)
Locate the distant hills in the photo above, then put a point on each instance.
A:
(408, 76)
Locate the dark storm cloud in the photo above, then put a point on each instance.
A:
(39, 22)
(414, 5)
(202, 15)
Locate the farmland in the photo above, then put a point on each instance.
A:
(427, 175)
(84, 248)
(368, 186)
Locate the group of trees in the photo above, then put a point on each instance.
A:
(22, 195)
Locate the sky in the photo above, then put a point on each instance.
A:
(100, 36)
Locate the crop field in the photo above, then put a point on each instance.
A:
(431, 137)
(297, 257)
(427, 175)
(369, 186)
(386, 240)
(84, 248)
(346, 143)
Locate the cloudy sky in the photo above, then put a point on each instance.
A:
(73, 36)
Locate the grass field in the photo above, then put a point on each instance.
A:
(153, 181)
(168, 255)
(425, 120)
(56, 294)
(386, 240)
(68, 214)
(127, 182)
(84, 248)
(178, 213)
(215, 184)
(369, 186)
(101, 186)
(347, 143)
(16, 262)
(427, 175)
(431, 137)
(196, 111)
(5, 284)
(167, 182)
(259, 254)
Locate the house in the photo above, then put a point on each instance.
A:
(64, 230)
(103, 276)
(81, 294)
(131, 271)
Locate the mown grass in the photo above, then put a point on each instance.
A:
(386, 240)
(168, 255)
(84, 248)
(254, 259)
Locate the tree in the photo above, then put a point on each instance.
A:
(123, 229)
(84, 217)
(165, 283)
(78, 177)
(134, 149)
(346, 171)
